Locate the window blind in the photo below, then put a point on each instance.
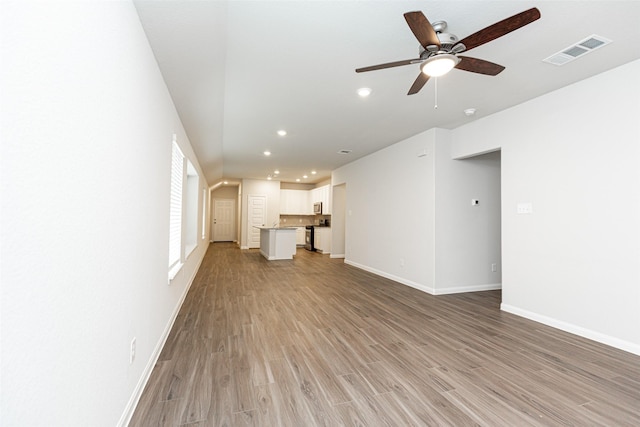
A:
(175, 209)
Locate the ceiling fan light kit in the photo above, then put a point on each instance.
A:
(439, 50)
(439, 64)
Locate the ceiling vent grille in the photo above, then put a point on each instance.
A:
(344, 151)
(577, 50)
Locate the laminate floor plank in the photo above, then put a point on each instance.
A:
(315, 342)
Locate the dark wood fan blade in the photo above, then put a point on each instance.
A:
(421, 80)
(480, 66)
(501, 28)
(388, 65)
(422, 29)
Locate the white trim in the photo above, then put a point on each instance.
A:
(337, 256)
(174, 270)
(188, 250)
(392, 277)
(573, 329)
(243, 247)
(423, 288)
(471, 288)
(125, 419)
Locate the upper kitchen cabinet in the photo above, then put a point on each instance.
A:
(295, 202)
(322, 194)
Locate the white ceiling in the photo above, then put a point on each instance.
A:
(240, 70)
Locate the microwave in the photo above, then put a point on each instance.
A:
(317, 208)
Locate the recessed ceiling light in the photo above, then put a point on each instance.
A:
(297, 179)
(313, 172)
(469, 112)
(305, 176)
(269, 177)
(267, 153)
(276, 171)
(364, 92)
(282, 132)
(225, 182)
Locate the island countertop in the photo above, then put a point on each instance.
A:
(274, 228)
(277, 242)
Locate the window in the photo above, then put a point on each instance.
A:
(191, 209)
(175, 210)
(204, 212)
(183, 209)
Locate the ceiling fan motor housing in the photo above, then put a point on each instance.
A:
(447, 40)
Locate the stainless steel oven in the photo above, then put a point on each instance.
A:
(308, 238)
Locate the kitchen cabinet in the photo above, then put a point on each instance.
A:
(295, 202)
(300, 236)
(322, 239)
(322, 194)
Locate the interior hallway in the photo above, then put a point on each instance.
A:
(314, 341)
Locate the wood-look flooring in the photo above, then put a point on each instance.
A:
(316, 342)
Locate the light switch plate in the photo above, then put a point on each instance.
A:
(524, 208)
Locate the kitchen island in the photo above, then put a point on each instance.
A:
(277, 242)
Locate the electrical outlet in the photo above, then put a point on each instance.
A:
(401, 262)
(494, 267)
(132, 351)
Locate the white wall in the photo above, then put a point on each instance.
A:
(257, 187)
(338, 219)
(574, 154)
(467, 236)
(389, 227)
(410, 218)
(87, 125)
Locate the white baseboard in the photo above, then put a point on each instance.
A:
(574, 329)
(472, 288)
(243, 247)
(392, 277)
(146, 373)
(336, 256)
(427, 289)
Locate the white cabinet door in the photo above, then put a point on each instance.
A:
(323, 195)
(295, 202)
(326, 200)
(284, 202)
(300, 231)
(322, 239)
(306, 205)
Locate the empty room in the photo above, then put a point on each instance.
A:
(304, 213)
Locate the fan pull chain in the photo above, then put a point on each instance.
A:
(435, 107)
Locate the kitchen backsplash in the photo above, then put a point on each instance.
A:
(301, 220)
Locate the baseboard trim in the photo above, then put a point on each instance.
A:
(125, 419)
(573, 329)
(472, 288)
(336, 256)
(377, 272)
(423, 288)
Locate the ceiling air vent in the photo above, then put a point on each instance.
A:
(577, 50)
(344, 152)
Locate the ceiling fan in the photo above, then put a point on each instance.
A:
(439, 50)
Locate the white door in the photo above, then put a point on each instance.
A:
(223, 220)
(257, 210)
